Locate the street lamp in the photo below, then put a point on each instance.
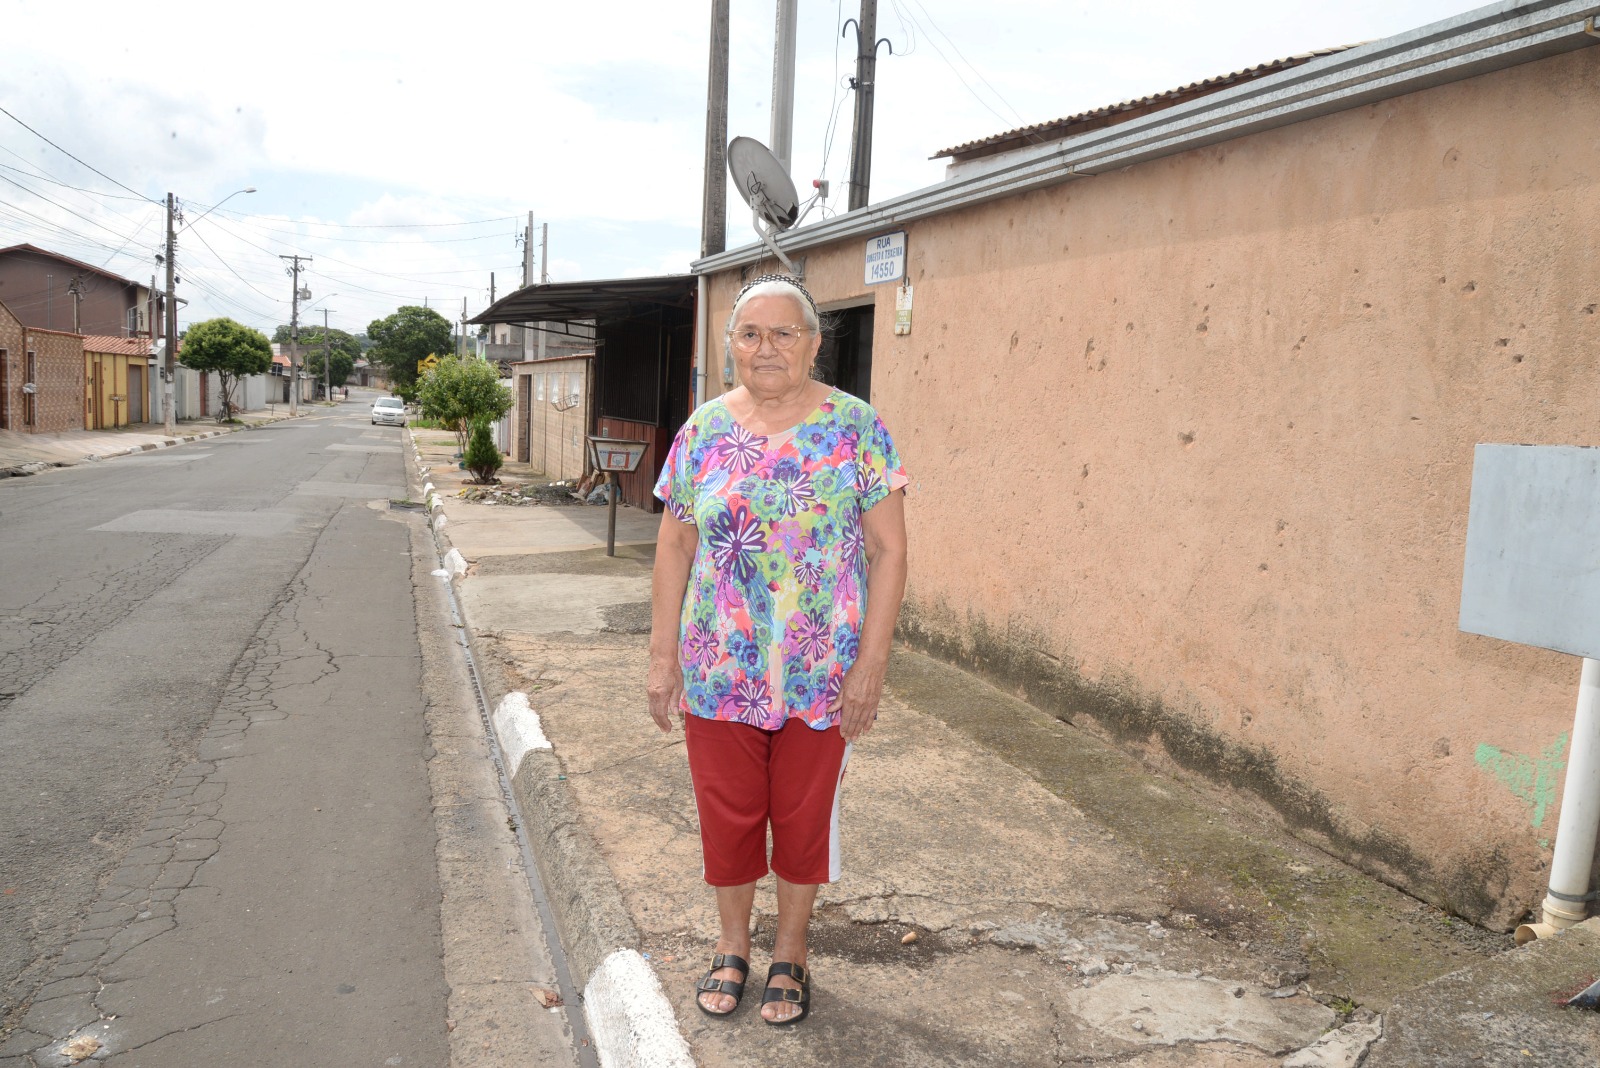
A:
(169, 415)
(327, 351)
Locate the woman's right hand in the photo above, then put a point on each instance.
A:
(666, 690)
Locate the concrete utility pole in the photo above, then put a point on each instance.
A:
(544, 276)
(866, 74)
(168, 416)
(783, 83)
(527, 280)
(294, 335)
(714, 209)
(327, 358)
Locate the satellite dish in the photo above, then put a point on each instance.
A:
(766, 186)
(763, 182)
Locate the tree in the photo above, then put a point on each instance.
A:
(402, 339)
(340, 364)
(344, 350)
(482, 458)
(461, 392)
(229, 349)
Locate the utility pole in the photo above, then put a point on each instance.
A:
(294, 335)
(168, 415)
(461, 341)
(714, 210)
(783, 83)
(527, 280)
(866, 74)
(327, 359)
(544, 276)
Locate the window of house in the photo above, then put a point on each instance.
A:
(538, 387)
(133, 321)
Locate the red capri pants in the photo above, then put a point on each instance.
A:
(745, 778)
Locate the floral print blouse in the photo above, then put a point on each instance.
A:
(778, 589)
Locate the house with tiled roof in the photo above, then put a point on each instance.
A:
(1189, 388)
(52, 291)
(116, 379)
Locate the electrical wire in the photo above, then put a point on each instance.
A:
(1016, 118)
(377, 226)
(70, 211)
(70, 156)
(229, 266)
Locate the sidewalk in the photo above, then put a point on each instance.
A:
(26, 454)
(1016, 890)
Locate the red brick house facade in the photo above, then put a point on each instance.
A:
(51, 362)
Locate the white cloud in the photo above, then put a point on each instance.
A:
(589, 115)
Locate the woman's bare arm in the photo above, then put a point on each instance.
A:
(675, 549)
(884, 526)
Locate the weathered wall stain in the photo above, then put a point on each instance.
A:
(1531, 779)
(1479, 884)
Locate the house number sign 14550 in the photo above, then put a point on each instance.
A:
(886, 258)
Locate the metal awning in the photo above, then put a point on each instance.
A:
(613, 298)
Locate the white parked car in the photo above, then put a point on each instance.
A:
(389, 411)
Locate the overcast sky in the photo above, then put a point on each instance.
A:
(402, 145)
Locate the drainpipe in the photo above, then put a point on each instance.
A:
(702, 350)
(1567, 902)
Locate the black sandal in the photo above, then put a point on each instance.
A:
(730, 987)
(788, 995)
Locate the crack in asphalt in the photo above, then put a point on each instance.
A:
(140, 901)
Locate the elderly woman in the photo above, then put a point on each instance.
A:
(780, 567)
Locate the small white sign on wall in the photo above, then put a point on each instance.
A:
(886, 258)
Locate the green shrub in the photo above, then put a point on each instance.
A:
(482, 458)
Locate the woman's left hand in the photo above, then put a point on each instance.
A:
(857, 703)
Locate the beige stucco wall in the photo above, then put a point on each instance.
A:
(1191, 449)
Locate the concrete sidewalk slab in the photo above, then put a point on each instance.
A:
(1015, 889)
(1502, 1012)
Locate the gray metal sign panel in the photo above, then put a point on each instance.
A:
(1532, 571)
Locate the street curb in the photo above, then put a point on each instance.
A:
(33, 467)
(630, 1018)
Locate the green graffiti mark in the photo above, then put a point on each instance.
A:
(1533, 779)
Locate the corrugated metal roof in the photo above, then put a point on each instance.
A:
(116, 346)
(603, 298)
(1112, 114)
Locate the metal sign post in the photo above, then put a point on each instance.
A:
(612, 455)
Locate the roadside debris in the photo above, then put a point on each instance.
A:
(522, 494)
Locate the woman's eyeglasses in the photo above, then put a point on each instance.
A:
(783, 338)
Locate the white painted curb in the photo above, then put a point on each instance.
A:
(439, 521)
(630, 1017)
(517, 726)
(454, 562)
(434, 501)
(427, 488)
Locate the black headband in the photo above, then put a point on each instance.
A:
(789, 280)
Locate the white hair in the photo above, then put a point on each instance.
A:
(778, 286)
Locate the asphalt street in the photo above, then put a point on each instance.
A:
(218, 838)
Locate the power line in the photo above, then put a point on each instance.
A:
(229, 266)
(70, 156)
(380, 226)
(71, 211)
(44, 176)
